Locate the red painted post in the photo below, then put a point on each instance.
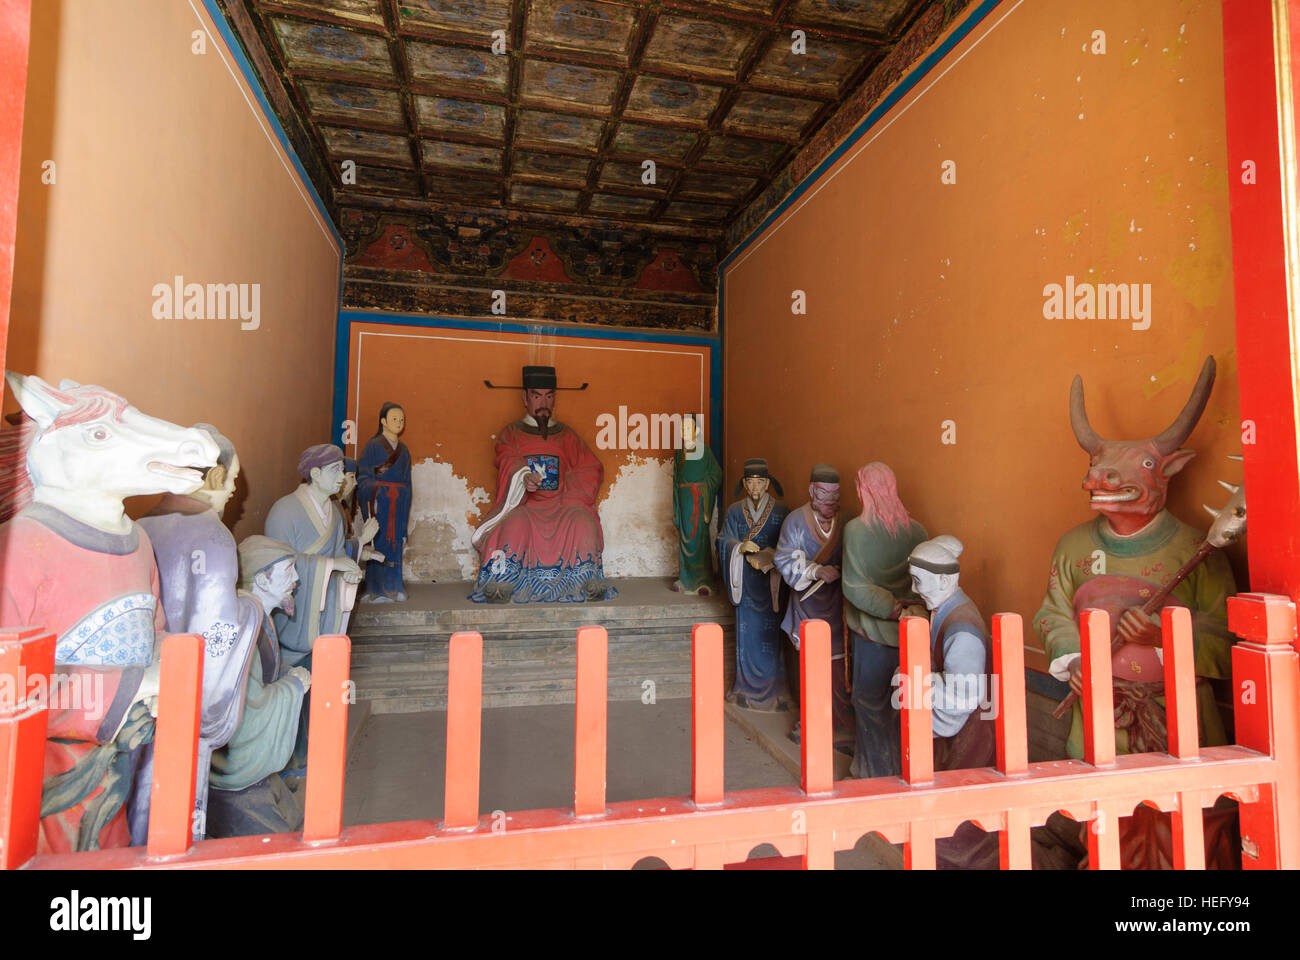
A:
(1266, 714)
(1188, 819)
(26, 656)
(1188, 822)
(327, 737)
(1262, 213)
(706, 714)
(816, 762)
(918, 848)
(917, 731)
(917, 724)
(1098, 698)
(1103, 838)
(1008, 696)
(1180, 683)
(589, 728)
(15, 40)
(464, 730)
(176, 745)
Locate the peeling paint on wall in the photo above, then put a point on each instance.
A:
(637, 518)
(442, 504)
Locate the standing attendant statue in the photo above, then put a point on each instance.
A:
(384, 493)
(542, 541)
(312, 525)
(696, 481)
(808, 555)
(746, 554)
(198, 571)
(877, 590)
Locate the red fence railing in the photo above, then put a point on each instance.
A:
(711, 827)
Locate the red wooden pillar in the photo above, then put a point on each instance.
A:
(464, 731)
(15, 36)
(1008, 694)
(1266, 708)
(590, 722)
(917, 726)
(175, 745)
(26, 656)
(327, 737)
(1261, 52)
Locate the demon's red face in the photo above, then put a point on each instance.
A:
(1131, 477)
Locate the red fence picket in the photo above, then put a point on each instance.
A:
(712, 827)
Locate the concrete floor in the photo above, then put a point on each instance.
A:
(395, 763)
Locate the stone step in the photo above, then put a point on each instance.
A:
(399, 651)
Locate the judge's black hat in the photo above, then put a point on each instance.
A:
(824, 473)
(757, 467)
(539, 378)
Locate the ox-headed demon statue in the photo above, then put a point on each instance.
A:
(1119, 560)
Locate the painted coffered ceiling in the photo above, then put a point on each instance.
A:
(566, 115)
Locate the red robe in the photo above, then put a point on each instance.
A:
(104, 608)
(550, 526)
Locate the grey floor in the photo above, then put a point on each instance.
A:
(395, 763)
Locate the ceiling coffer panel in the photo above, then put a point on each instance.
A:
(673, 111)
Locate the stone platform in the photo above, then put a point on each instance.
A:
(399, 650)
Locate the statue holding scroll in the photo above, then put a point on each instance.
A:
(808, 555)
(308, 521)
(746, 553)
(542, 540)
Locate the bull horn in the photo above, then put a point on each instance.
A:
(1211, 511)
(1173, 436)
(1228, 486)
(1088, 438)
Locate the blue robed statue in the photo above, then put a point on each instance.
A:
(747, 544)
(384, 493)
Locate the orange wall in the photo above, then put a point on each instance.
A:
(925, 300)
(164, 168)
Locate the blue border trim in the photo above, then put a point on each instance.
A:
(981, 10)
(343, 339)
(250, 76)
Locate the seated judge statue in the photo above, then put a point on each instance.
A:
(542, 541)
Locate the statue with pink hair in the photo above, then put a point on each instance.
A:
(877, 591)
